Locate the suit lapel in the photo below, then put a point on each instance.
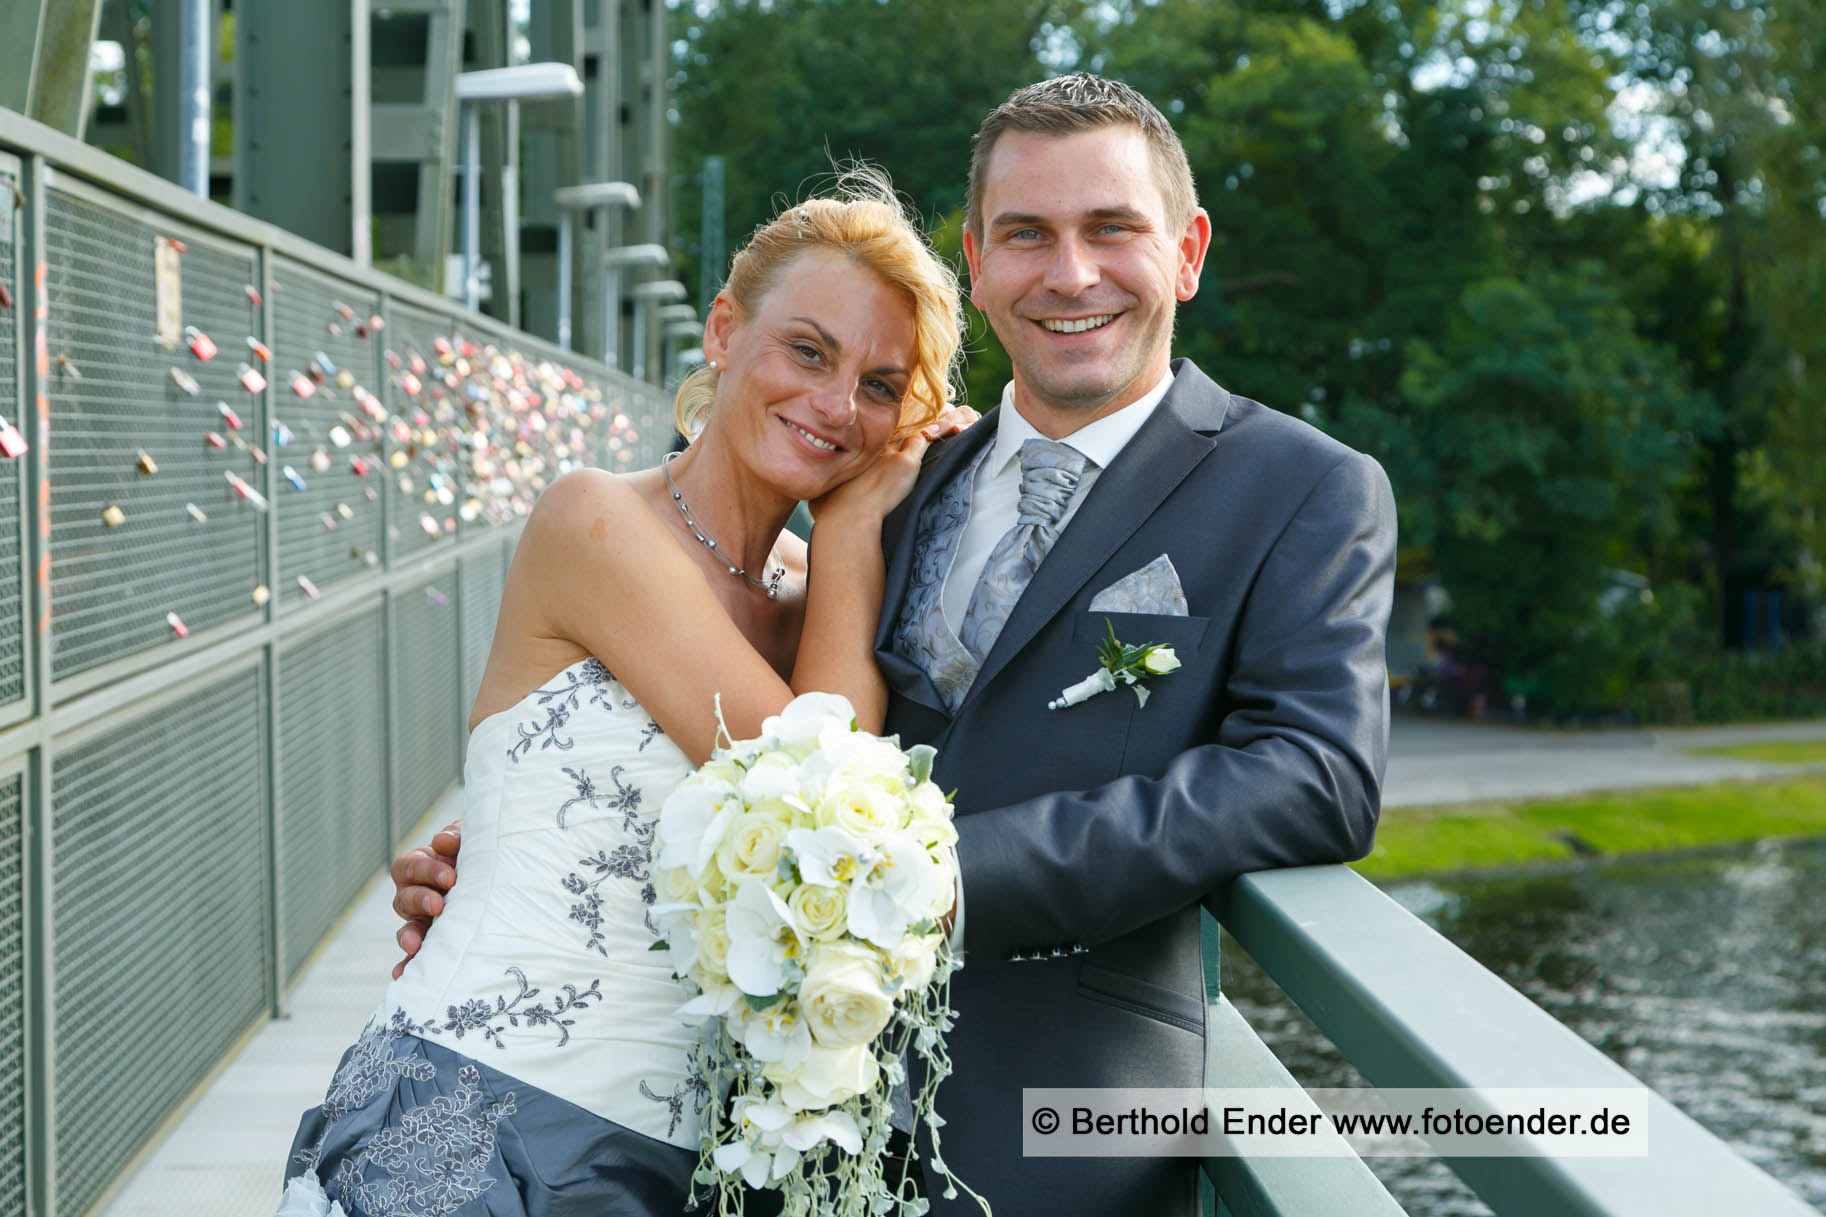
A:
(905, 678)
(1178, 435)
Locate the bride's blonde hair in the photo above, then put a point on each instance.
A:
(866, 222)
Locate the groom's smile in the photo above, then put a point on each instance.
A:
(1079, 269)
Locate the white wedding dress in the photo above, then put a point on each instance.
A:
(536, 993)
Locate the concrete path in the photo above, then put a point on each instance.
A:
(225, 1155)
(1434, 761)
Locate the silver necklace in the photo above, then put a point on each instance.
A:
(771, 587)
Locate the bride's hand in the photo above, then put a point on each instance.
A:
(877, 490)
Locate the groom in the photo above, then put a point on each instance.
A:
(1117, 489)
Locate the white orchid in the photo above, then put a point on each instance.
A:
(762, 937)
(774, 1034)
(692, 822)
(805, 716)
(829, 857)
(901, 886)
(771, 1139)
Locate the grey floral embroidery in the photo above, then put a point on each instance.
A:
(477, 1014)
(434, 1161)
(648, 734)
(626, 799)
(369, 1069)
(632, 860)
(693, 1088)
(588, 682)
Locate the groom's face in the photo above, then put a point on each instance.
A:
(1079, 268)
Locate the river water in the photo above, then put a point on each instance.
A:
(1705, 977)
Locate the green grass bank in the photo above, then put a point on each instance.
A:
(1455, 838)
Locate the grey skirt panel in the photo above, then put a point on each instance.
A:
(412, 1129)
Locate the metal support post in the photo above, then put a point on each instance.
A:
(472, 203)
(193, 103)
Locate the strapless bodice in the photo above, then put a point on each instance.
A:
(540, 964)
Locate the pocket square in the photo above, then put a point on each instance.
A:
(1152, 589)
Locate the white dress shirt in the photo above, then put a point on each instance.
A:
(995, 496)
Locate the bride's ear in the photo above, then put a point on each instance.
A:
(719, 327)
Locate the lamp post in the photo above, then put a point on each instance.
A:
(614, 261)
(646, 295)
(681, 335)
(526, 82)
(597, 197)
(678, 322)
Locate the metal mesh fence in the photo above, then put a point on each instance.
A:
(483, 576)
(332, 822)
(422, 459)
(327, 410)
(427, 716)
(185, 469)
(12, 995)
(12, 470)
(148, 540)
(159, 852)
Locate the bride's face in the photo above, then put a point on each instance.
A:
(812, 382)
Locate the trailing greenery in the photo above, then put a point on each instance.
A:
(1432, 840)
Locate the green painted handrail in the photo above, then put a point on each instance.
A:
(1409, 1009)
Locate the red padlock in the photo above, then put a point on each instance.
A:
(12, 443)
(200, 344)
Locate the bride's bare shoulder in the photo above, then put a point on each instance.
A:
(596, 510)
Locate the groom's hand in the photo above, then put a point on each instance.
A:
(420, 878)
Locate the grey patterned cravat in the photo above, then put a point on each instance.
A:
(1049, 477)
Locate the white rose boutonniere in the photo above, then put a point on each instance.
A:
(1121, 664)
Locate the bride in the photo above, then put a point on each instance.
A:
(529, 1059)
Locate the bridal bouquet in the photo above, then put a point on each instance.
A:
(801, 877)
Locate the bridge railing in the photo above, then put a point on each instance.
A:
(1409, 1009)
(249, 567)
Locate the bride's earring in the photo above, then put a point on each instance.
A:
(713, 365)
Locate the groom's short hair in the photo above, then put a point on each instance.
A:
(1067, 105)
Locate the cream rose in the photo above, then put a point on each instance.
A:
(842, 996)
(1161, 660)
(821, 912)
(827, 1077)
(712, 941)
(866, 808)
(752, 844)
(912, 963)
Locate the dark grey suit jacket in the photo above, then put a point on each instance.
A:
(1089, 836)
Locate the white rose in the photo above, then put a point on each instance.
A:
(945, 859)
(827, 1077)
(675, 885)
(865, 808)
(821, 912)
(712, 942)
(912, 962)
(842, 996)
(752, 844)
(1161, 660)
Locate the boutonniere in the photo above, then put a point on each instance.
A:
(1121, 664)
